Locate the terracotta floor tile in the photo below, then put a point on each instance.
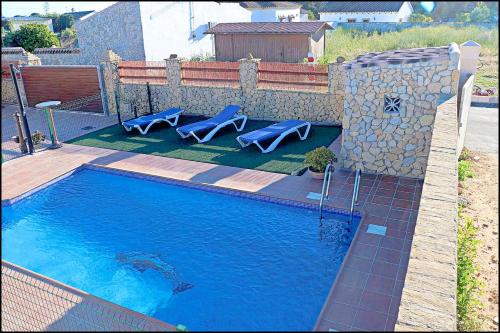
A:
(358, 263)
(380, 284)
(375, 301)
(385, 269)
(347, 295)
(388, 255)
(392, 243)
(340, 313)
(352, 278)
(369, 320)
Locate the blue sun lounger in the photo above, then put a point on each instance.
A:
(171, 116)
(275, 131)
(213, 125)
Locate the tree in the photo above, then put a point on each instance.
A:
(463, 17)
(481, 13)
(8, 25)
(31, 36)
(311, 16)
(65, 21)
(36, 14)
(419, 17)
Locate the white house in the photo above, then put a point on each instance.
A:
(19, 21)
(273, 11)
(146, 30)
(366, 11)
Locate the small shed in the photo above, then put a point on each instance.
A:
(270, 41)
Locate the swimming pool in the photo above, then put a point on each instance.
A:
(204, 259)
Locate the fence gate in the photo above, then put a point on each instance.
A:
(80, 84)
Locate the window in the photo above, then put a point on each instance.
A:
(351, 20)
(392, 104)
(366, 20)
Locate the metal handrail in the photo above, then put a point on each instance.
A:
(326, 188)
(355, 191)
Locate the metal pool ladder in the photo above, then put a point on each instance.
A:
(354, 201)
(325, 189)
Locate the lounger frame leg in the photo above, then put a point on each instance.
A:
(145, 130)
(276, 142)
(211, 134)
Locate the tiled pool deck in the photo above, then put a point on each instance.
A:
(367, 292)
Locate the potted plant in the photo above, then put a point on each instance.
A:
(37, 137)
(317, 160)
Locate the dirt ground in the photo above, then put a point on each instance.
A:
(481, 192)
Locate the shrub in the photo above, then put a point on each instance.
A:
(463, 17)
(481, 13)
(464, 155)
(464, 170)
(31, 36)
(419, 17)
(468, 285)
(37, 137)
(317, 159)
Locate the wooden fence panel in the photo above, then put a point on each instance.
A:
(62, 83)
(210, 73)
(274, 75)
(142, 72)
(6, 69)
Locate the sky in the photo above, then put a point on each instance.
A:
(11, 8)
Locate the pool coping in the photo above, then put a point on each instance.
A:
(183, 183)
(215, 189)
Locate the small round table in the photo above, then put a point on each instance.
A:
(47, 107)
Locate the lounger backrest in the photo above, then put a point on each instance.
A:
(228, 113)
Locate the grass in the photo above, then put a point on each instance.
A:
(351, 43)
(223, 149)
(468, 285)
(464, 170)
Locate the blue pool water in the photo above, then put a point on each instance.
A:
(209, 261)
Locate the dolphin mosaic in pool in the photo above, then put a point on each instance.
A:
(144, 261)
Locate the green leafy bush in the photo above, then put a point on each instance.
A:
(31, 36)
(481, 13)
(317, 159)
(464, 170)
(468, 285)
(419, 17)
(37, 137)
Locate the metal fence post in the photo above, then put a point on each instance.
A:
(149, 98)
(117, 101)
(27, 131)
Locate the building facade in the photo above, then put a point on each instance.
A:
(364, 12)
(153, 30)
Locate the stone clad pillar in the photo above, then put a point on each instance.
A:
(336, 82)
(248, 82)
(173, 69)
(111, 79)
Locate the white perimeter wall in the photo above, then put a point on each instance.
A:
(271, 15)
(167, 26)
(404, 13)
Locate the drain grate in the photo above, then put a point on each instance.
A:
(87, 128)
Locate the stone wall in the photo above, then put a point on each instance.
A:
(119, 25)
(19, 56)
(257, 103)
(8, 91)
(59, 56)
(397, 142)
(428, 301)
